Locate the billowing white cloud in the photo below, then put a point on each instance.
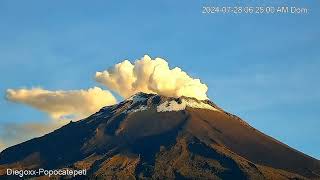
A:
(59, 104)
(151, 76)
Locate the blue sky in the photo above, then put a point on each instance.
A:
(263, 68)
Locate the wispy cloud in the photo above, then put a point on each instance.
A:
(60, 104)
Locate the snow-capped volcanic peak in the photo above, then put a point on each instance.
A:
(143, 101)
(139, 97)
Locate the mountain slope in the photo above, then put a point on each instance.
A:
(151, 136)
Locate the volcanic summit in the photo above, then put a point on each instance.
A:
(149, 136)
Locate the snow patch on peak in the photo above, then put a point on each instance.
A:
(178, 106)
(200, 105)
(171, 106)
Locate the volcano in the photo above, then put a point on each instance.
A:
(149, 136)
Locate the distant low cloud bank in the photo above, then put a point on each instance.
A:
(2, 146)
(12, 133)
(151, 76)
